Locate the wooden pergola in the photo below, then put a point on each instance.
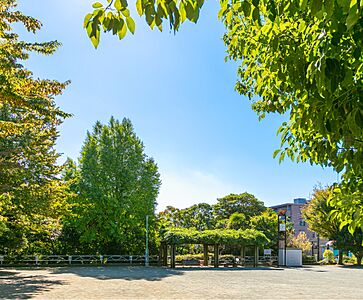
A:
(181, 236)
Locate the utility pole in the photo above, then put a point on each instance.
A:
(147, 242)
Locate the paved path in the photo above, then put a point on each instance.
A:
(318, 282)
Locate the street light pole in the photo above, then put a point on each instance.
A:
(147, 242)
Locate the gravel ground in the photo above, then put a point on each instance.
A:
(115, 282)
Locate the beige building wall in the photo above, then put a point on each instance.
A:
(293, 211)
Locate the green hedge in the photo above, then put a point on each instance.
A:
(248, 237)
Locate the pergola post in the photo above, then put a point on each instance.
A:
(243, 254)
(160, 258)
(165, 255)
(216, 255)
(172, 256)
(205, 255)
(255, 264)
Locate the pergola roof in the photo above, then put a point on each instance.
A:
(248, 237)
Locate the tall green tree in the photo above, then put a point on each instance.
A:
(32, 198)
(318, 215)
(117, 189)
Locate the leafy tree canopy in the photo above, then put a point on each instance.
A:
(245, 204)
(302, 58)
(318, 214)
(116, 186)
(301, 241)
(32, 198)
(114, 16)
(266, 222)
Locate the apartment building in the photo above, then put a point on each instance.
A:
(293, 212)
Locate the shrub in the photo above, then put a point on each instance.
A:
(329, 256)
(350, 260)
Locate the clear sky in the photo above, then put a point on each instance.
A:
(179, 94)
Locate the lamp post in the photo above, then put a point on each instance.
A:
(147, 242)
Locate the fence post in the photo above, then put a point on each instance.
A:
(70, 259)
(1, 259)
(130, 259)
(36, 259)
(101, 259)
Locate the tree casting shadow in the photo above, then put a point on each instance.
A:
(120, 272)
(15, 286)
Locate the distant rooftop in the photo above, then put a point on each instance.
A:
(298, 201)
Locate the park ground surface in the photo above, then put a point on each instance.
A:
(119, 282)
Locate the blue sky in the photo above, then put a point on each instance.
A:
(179, 93)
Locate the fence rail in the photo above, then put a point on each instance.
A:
(76, 259)
(113, 259)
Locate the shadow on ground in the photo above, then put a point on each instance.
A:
(228, 269)
(120, 272)
(351, 267)
(146, 273)
(14, 285)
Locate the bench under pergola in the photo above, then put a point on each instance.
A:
(181, 236)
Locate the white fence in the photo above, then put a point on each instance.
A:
(76, 259)
(113, 259)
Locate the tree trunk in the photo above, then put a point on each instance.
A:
(340, 259)
(359, 260)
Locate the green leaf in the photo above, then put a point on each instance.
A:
(125, 12)
(123, 30)
(276, 152)
(95, 38)
(353, 17)
(130, 24)
(282, 156)
(316, 6)
(124, 3)
(116, 25)
(344, 223)
(246, 7)
(118, 5)
(359, 118)
(256, 14)
(183, 13)
(139, 7)
(97, 5)
(189, 11)
(87, 18)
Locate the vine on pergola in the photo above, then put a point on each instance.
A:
(248, 237)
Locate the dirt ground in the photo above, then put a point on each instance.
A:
(115, 282)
